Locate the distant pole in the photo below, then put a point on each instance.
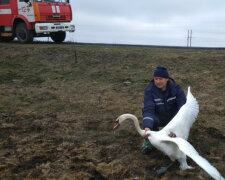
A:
(188, 38)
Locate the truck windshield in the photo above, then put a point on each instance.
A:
(53, 1)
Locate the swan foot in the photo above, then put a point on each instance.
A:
(184, 167)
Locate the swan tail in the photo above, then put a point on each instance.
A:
(190, 151)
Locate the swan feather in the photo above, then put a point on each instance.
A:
(184, 119)
(190, 151)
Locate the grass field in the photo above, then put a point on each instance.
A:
(58, 104)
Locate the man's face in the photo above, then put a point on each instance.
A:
(161, 82)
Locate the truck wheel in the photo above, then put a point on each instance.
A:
(23, 34)
(58, 37)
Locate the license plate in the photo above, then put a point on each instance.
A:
(59, 27)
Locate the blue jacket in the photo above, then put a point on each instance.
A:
(161, 106)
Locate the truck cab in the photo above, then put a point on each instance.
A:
(26, 19)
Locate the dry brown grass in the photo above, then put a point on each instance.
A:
(57, 112)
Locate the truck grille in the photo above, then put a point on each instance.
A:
(55, 18)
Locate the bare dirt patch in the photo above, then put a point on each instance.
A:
(57, 110)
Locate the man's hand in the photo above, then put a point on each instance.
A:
(146, 136)
(172, 135)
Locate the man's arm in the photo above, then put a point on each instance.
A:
(148, 111)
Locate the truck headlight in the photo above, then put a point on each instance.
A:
(42, 28)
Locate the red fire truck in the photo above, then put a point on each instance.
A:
(26, 19)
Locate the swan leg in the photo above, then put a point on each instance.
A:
(184, 165)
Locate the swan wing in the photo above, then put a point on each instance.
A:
(184, 119)
(190, 151)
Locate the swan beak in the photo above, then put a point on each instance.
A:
(117, 124)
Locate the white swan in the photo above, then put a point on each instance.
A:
(176, 148)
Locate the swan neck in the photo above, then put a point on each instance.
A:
(137, 125)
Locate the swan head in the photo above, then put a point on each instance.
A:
(119, 120)
(132, 117)
(124, 117)
(116, 125)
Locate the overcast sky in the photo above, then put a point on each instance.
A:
(149, 22)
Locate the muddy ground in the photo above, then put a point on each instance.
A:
(58, 104)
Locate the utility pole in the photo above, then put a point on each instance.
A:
(189, 38)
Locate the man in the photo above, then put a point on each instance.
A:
(162, 100)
